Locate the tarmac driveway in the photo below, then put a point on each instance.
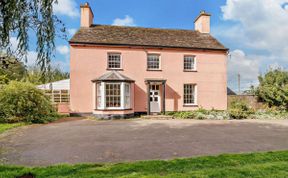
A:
(126, 140)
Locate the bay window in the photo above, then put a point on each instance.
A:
(113, 95)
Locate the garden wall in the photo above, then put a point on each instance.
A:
(251, 100)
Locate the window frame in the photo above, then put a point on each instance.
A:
(195, 103)
(111, 96)
(108, 60)
(103, 96)
(147, 62)
(195, 63)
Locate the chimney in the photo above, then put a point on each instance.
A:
(202, 22)
(86, 15)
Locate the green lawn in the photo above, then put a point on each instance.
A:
(271, 164)
(4, 127)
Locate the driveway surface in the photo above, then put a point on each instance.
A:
(75, 141)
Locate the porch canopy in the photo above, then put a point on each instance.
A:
(113, 92)
(159, 81)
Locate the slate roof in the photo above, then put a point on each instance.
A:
(113, 76)
(146, 37)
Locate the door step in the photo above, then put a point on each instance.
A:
(157, 117)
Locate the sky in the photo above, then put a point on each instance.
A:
(256, 32)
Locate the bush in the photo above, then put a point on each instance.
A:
(200, 114)
(273, 89)
(21, 101)
(269, 114)
(239, 110)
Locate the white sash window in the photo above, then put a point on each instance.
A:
(113, 95)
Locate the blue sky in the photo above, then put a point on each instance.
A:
(256, 32)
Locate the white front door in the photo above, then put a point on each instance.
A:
(154, 98)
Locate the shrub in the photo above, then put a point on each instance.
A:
(273, 88)
(269, 114)
(200, 114)
(21, 101)
(239, 110)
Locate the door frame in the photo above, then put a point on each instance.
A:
(162, 83)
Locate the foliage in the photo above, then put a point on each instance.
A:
(239, 110)
(270, 164)
(11, 68)
(34, 75)
(200, 114)
(4, 127)
(250, 91)
(273, 88)
(21, 101)
(24, 18)
(268, 115)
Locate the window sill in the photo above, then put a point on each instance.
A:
(190, 105)
(154, 70)
(116, 109)
(190, 71)
(115, 69)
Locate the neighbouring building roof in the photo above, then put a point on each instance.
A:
(230, 92)
(58, 85)
(113, 76)
(147, 37)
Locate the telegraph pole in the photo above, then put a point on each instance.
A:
(239, 78)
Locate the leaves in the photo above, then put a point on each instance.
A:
(273, 88)
(19, 17)
(24, 102)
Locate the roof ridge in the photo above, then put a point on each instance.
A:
(150, 28)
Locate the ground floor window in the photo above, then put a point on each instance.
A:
(113, 95)
(189, 94)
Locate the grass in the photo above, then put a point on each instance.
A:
(5, 126)
(270, 164)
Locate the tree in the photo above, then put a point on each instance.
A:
(11, 69)
(273, 88)
(34, 75)
(19, 17)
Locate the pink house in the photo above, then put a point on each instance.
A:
(118, 72)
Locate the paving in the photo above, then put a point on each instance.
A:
(86, 140)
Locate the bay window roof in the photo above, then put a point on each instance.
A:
(113, 76)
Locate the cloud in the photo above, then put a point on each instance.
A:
(261, 34)
(71, 31)
(246, 66)
(62, 49)
(264, 28)
(127, 21)
(285, 6)
(67, 8)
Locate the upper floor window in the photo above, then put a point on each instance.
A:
(189, 94)
(189, 63)
(153, 62)
(114, 61)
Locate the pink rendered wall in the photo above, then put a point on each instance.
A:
(88, 63)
